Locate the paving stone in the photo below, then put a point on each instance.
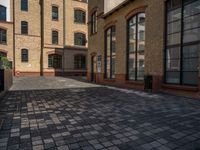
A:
(69, 113)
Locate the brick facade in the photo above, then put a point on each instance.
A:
(38, 41)
(154, 44)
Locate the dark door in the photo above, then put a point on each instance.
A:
(93, 69)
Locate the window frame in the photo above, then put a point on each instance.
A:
(135, 46)
(2, 36)
(82, 15)
(24, 27)
(57, 12)
(57, 61)
(3, 10)
(181, 45)
(55, 37)
(83, 41)
(80, 62)
(111, 75)
(24, 55)
(24, 5)
(94, 22)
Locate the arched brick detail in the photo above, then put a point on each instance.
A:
(112, 23)
(135, 11)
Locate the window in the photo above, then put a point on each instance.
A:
(2, 54)
(55, 61)
(24, 27)
(55, 37)
(79, 16)
(79, 62)
(54, 13)
(182, 42)
(3, 36)
(24, 5)
(2, 13)
(79, 39)
(24, 55)
(136, 47)
(110, 52)
(94, 23)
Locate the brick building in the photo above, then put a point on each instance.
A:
(41, 36)
(133, 39)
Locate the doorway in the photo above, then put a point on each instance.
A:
(93, 69)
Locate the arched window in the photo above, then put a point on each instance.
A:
(24, 55)
(3, 36)
(79, 16)
(110, 52)
(24, 5)
(55, 13)
(136, 47)
(24, 27)
(94, 22)
(79, 39)
(55, 37)
(2, 13)
(182, 42)
(79, 62)
(55, 61)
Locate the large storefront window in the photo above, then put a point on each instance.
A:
(182, 42)
(55, 61)
(79, 62)
(136, 45)
(110, 52)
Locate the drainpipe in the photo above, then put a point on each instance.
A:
(42, 35)
(64, 38)
(13, 37)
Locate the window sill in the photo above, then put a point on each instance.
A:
(180, 87)
(4, 44)
(56, 20)
(80, 23)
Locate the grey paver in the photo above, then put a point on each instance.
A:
(58, 113)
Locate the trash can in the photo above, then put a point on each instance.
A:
(148, 83)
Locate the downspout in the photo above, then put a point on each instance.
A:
(64, 38)
(42, 35)
(13, 37)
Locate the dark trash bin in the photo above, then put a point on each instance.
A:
(148, 83)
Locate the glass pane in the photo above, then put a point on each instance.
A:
(192, 8)
(174, 15)
(141, 18)
(174, 27)
(190, 64)
(191, 51)
(113, 67)
(174, 39)
(131, 47)
(132, 67)
(191, 35)
(190, 78)
(132, 21)
(173, 53)
(132, 33)
(173, 77)
(140, 71)
(192, 22)
(173, 65)
(171, 4)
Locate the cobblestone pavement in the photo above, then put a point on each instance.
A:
(62, 113)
